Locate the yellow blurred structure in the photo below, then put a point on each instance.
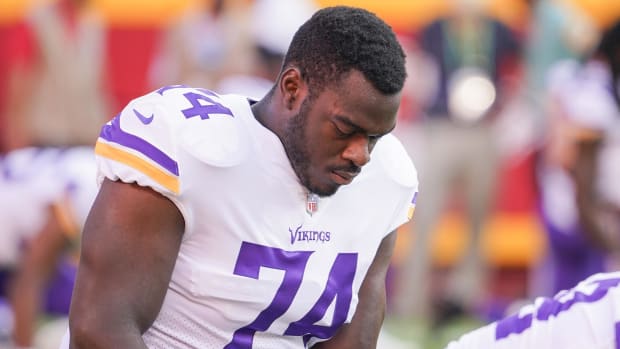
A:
(120, 12)
(509, 240)
(603, 12)
(403, 15)
(410, 15)
(141, 12)
(13, 10)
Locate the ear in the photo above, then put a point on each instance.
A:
(293, 88)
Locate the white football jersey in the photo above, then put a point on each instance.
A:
(23, 198)
(34, 178)
(587, 316)
(255, 269)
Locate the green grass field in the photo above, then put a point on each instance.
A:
(419, 334)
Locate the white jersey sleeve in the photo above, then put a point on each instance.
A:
(584, 92)
(587, 316)
(143, 143)
(400, 169)
(77, 171)
(138, 145)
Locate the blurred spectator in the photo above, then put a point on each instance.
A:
(6, 36)
(129, 56)
(204, 45)
(477, 60)
(23, 194)
(47, 193)
(54, 94)
(578, 172)
(269, 41)
(557, 30)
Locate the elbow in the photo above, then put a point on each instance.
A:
(101, 332)
(85, 334)
(81, 337)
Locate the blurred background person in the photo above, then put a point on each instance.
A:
(558, 29)
(579, 195)
(243, 49)
(55, 102)
(478, 62)
(204, 44)
(269, 40)
(47, 193)
(23, 197)
(54, 92)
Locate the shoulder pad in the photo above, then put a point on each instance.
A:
(395, 161)
(214, 132)
(138, 145)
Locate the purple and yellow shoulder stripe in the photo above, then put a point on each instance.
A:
(135, 152)
(412, 206)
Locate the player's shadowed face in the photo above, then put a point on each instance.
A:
(331, 137)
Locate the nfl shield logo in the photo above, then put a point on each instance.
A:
(312, 204)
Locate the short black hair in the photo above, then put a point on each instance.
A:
(336, 40)
(609, 49)
(610, 41)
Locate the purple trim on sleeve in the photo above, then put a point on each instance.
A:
(552, 307)
(112, 132)
(514, 324)
(170, 87)
(617, 328)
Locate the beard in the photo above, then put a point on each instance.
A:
(295, 143)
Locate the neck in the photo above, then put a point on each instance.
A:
(264, 112)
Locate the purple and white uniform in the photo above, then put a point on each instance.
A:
(36, 182)
(27, 187)
(585, 104)
(587, 316)
(255, 268)
(31, 180)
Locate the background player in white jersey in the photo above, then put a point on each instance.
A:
(587, 316)
(585, 152)
(26, 192)
(47, 192)
(577, 174)
(227, 223)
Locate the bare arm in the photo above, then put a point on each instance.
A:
(35, 269)
(363, 331)
(593, 215)
(129, 247)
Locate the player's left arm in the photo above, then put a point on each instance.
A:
(35, 270)
(363, 330)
